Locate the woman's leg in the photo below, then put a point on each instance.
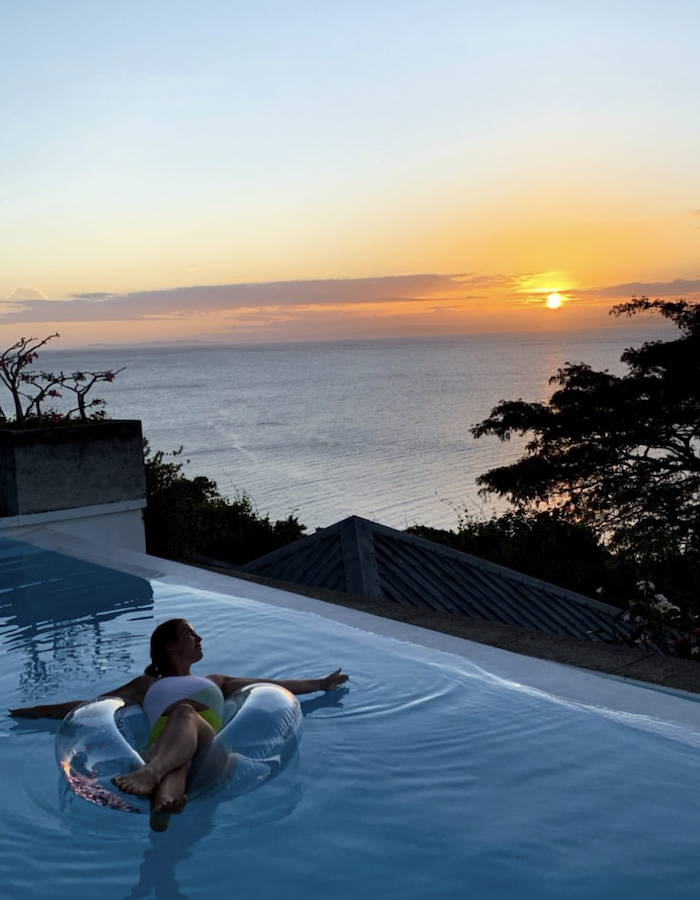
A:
(185, 734)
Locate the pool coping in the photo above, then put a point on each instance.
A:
(635, 664)
(556, 678)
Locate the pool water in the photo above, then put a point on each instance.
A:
(427, 777)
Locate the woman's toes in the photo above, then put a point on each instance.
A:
(142, 781)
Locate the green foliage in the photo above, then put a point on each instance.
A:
(619, 454)
(188, 516)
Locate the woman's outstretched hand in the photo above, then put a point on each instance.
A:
(334, 680)
(45, 711)
(27, 712)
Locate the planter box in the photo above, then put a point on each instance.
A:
(70, 466)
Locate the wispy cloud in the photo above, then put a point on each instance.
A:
(679, 287)
(191, 301)
(26, 293)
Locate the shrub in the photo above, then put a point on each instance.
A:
(186, 517)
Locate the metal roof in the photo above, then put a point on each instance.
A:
(361, 557)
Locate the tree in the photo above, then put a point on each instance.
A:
(30, 390)
(620, 454)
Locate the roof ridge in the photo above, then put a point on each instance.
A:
(359, 558)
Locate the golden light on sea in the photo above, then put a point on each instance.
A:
(554, 301)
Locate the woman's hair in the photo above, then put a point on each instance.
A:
(164, 634)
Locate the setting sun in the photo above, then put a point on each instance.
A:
(554, 301)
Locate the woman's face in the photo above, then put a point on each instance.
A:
(189, 643)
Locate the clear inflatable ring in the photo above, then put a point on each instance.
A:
(106, 737)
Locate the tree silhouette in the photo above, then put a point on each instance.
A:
(618, 453)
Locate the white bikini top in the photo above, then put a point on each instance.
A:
(168, 690)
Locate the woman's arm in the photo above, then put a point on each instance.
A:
(230, 685)
(45, 710)
(131, 692)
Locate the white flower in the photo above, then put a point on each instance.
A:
(664, 606)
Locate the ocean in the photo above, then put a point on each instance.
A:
(375, 428)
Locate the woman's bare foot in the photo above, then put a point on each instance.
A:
(160, 815)
(169, 797)
(143, 781)
(167, 803)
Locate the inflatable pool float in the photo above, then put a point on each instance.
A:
(105, 737)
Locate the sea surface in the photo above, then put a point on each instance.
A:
(324, 430)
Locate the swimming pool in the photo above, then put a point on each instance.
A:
(437, 774)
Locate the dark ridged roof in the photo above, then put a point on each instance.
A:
(361, 557)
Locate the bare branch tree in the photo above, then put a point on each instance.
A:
(31, 390)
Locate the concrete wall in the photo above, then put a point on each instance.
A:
(86, 480)
(113, 524)
(70, 466)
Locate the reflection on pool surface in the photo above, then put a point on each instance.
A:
(427, 777)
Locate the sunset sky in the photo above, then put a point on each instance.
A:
(297, 170)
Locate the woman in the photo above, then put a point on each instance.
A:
(183, 710)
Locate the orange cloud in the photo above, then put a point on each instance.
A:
(407, 305)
